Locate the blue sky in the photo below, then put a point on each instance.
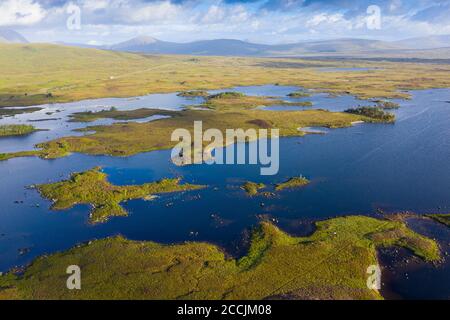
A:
(263, 21)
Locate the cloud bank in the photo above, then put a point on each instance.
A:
(266, 21)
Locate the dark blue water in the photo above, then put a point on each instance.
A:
(357, 170)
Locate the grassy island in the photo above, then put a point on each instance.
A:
(442, 218)
(252, 188)
(193, 94)
(113, 113)
(91, 187)
(374, 114)
(295, 182)
(299, 94)
(9, 130)
(329, 264)
(387, 104)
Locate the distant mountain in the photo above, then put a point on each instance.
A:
(333, 46)
(221, 47)
(11, 36)
(430, 42)
(230, 47)
(137, 42)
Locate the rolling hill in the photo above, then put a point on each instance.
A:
(430, 42)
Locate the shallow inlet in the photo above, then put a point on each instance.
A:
(353, 171)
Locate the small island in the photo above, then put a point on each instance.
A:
(373, 114)
(92, 187)
(252, 188)
(9, 130)
(442, 218)
(387, 104)
(299, 94)
(193, 94)
(114, 113)
(294, 182)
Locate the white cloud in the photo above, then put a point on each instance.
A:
(214, 14)
(162, 11)
(20, 12)
(324, 18)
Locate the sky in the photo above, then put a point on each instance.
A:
(100, 22)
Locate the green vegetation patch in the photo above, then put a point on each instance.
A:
(193, 94)
(295, 182)
(228, 101)
(330, 264)
(442, 218)
(375, 114)
(299, 94)
(252, 188)
(91, 187)
(113, 113)
(387, 104)
(9, 130)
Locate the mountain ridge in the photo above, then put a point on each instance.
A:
(233, 47)
(11, 36)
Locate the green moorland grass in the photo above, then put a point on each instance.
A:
(374, 114)
(8, 130)
(223, 112)
(42, 73)
(113, 113)
(330, 264)
(294, 182)
(91, 187)
(442, 218)
(252, 188)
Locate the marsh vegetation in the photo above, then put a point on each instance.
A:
(329, 264)
(374, 114)
(228, 110)
(252, 188)
(16, 130)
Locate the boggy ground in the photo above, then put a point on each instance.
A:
(330, 264)
(221, 111)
